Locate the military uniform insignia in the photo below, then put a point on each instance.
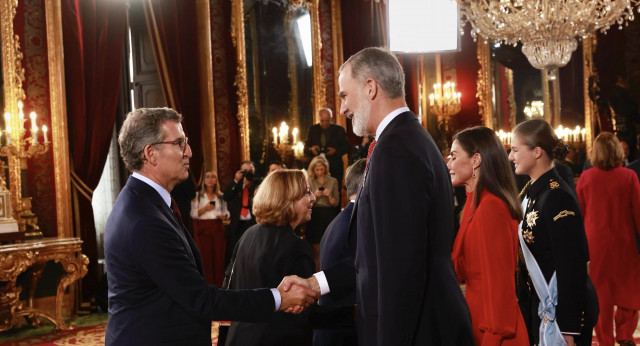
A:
(531, 202)
(532, 216)
(527, 235)
(553, 184)
(562, 214)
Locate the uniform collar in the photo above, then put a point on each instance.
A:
(543, 182)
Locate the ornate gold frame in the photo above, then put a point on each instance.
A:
(237, 36)
(13, 74)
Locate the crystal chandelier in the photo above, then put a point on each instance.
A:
(445, 100)
(546, 28)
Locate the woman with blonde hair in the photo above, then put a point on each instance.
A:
(485, 250)
(269, 251)
(326, 189)
(609, 196)
(208, 210)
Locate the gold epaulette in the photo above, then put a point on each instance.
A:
(562, 214)
(553, 184)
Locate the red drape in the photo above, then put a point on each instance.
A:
(174, 32)
(364, 24)
(93, 36)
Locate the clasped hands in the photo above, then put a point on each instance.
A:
(298, 293)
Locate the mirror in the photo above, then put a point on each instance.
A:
(279, 75)
(509, 89)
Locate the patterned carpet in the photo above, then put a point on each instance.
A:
(90, 331)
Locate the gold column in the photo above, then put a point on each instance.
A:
(203, 18)
(237, 37)
(338, 56)
(59, 118)
(588, 69)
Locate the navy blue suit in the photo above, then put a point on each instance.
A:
(335, 248)
(157, 291)
(406, 288)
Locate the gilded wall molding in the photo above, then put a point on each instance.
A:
(588, 69)
(338, 56)
(319, 92)
(59, 131)
(483, 93)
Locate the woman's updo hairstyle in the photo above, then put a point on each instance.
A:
(538, 133)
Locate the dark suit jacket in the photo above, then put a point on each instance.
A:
(336, 137)
(233, 196)
(157, 291)
(263, 256)
(406, 288)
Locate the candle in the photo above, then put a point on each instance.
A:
(34, 127)
(8, 134)
(295, 134)
(275, 136)
(44, 133)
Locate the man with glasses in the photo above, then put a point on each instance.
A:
(157, 290)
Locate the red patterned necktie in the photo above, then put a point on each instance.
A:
(245, 202)
(373, 144)
(176, 211)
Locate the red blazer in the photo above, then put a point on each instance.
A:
(485, 255)
(610, 203)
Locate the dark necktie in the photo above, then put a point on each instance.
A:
(373, 144)
(183, 235)
(176, 212)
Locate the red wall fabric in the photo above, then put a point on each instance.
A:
(467, 67)
(93, 36)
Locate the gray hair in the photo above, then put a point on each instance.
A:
(380, 65)
(141, 127)
(328, 110)
(354, 176)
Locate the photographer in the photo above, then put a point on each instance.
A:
(329, 140)
(239, 197)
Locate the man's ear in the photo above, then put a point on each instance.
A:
(150, 154)
(371, 88)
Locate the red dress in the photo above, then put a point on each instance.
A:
(484, 255)
(610, 203)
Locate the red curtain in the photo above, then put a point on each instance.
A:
(174, 32)
(364, 24)
(93, 36)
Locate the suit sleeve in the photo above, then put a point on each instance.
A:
(401, 201)
(563, 219)
(309, 142)
(342, 142)
(231, 193)
(164, 259)
(498, 261)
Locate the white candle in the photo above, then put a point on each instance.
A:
(34, 127)
(44, 133)
(275, 136)
(295, 134)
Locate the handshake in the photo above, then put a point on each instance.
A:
(298, 293)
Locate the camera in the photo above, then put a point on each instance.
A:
(248, 174)
(321, 188)
(212, 202)
(322, 150)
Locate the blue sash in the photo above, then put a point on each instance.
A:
(549, 334)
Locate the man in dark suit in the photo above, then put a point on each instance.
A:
(157, 290)
(239, 196)
(334, 248)
(328, 139)
(406, 288)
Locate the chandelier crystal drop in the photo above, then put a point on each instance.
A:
(547, 28)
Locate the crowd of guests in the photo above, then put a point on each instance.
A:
(545, 263)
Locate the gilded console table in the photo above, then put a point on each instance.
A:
(17, 258)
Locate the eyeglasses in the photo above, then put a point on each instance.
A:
(180, 142)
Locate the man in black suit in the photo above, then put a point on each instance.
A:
(157, 290)
(328, 139)
(334, 248)
(239, 196)
(406, 288)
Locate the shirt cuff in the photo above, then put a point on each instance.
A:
(276, 297)
(322, 282)
(569, 333)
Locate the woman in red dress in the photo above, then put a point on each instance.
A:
(609, 197)
(208, 210)
(486, 246)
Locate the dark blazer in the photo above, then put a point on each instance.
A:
(233, 196)
(335, 248)
(157, 292)
(336, 137)
(263, 256)
(406, 288)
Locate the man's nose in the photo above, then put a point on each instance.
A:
(187, 152)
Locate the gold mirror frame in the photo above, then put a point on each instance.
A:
(484, 94)
(13, 75)
(237, 36)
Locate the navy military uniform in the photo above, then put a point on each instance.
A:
(554, 233)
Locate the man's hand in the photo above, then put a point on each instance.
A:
(331, 151)
(296, 298)
(314, 149)
(569, 339)
(291, 280)
(239, 175)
